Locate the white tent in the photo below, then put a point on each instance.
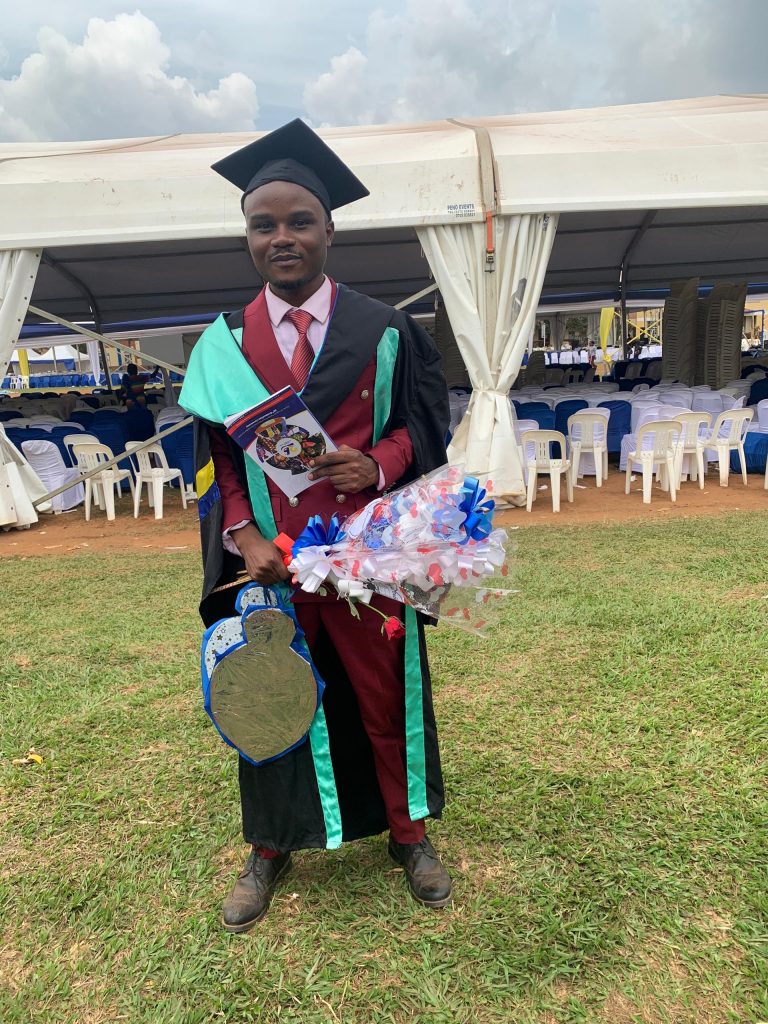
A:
(45, 351)
(142, 227)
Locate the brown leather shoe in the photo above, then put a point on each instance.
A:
(252, 892)
(428, 880)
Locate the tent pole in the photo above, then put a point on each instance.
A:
(416, 296)
(624, 274)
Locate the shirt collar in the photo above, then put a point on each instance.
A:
(318, 304)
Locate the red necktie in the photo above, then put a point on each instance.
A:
(303, 354)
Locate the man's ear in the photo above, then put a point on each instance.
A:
(329, 232)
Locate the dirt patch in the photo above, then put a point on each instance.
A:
(178, 531)
(69, 533)
(610, 505)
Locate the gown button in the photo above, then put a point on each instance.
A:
(341, 498)
(364, 393)
(293, 502)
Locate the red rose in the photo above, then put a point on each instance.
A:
(393, 627)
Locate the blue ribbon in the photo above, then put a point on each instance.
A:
(478, 511)
(317, 534)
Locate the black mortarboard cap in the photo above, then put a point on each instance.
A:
(293, 153)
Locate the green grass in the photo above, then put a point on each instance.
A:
(604, 756)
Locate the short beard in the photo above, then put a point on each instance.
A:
(292, 286)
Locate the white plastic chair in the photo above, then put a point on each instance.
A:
(655, 446)
(762, 416)
(537, 445)
(727, 435)
(70, 440)
(588, 433)
(89, 455)
(521, 427)
(695, 425)
(45, 458)
(154, 471)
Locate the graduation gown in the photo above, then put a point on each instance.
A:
(325, 791)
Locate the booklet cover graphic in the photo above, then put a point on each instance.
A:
(282, 436)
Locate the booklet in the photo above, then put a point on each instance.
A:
(281, 435)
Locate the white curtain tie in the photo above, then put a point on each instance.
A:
(490, 391)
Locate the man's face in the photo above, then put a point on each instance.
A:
(288, 237)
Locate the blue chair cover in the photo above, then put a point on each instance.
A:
(758, 392)
(10, 414)
(179, 449)
(619, 424)
(746, 370)
(83, 418)
(139, 423)
(19, 434)
(528, 410)
(755, 454)
(619, 369)
(538, 411)
(565, 409)
(109, 433)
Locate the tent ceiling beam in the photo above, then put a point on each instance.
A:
(81, 286)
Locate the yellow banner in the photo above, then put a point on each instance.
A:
(606, 322)
(23, 362)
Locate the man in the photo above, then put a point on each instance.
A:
(132, 383)
(372, 377)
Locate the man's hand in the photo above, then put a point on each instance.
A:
(263, 561)
(348, 470)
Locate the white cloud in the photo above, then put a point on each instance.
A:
(341, 93)
(454, 58)
(115, 84)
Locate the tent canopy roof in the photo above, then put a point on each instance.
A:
(149, 230)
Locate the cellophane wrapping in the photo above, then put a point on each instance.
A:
(430, 544)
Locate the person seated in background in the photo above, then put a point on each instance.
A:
(132, 382)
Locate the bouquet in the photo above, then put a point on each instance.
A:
(430, 544)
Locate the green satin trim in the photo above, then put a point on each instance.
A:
(260, 502)
(386, 356)
(414, 721)
(219, 381)
(416, 770)
(326, 782)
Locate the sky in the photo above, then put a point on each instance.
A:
(76, 70)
